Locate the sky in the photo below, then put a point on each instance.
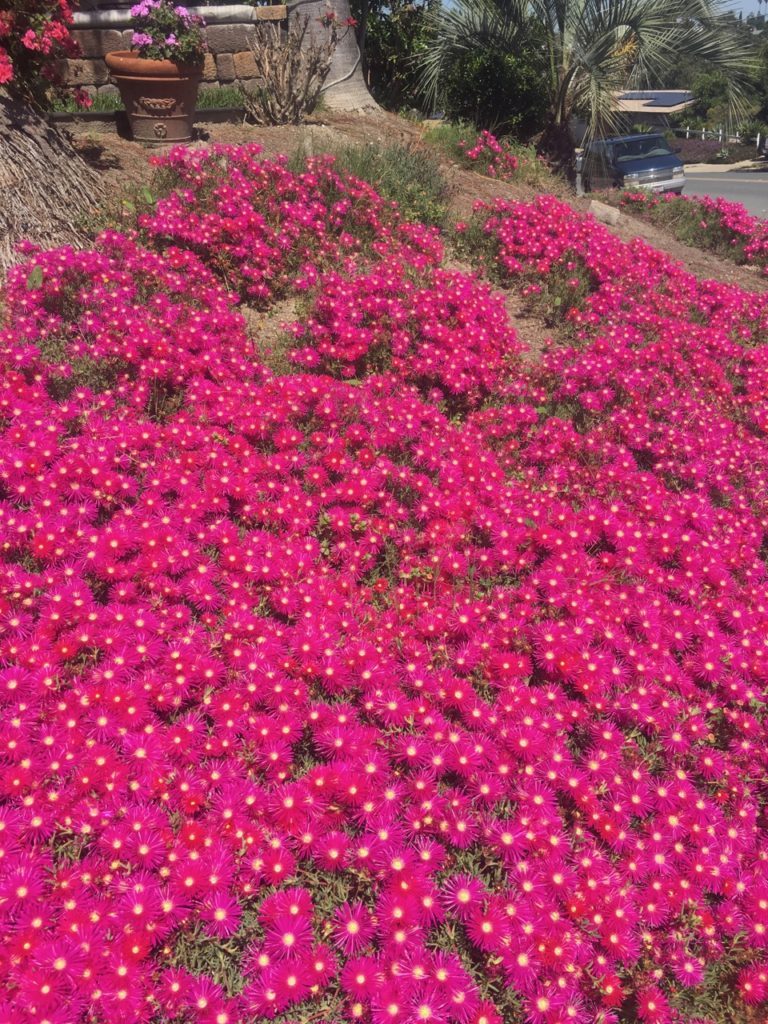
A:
(749, 6)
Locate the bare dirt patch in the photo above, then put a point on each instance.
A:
(267, 330)
(531, 328)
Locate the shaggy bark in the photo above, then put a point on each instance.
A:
(46, 189)
(555, 144)
(345, 87)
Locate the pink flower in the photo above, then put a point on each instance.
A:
(472, 645)
(222, 915)
(6, 67)
(352, 929)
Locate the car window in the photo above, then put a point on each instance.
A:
(641, 149)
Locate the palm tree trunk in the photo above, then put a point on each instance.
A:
(345, 87)
(555, 144)
(46, 189)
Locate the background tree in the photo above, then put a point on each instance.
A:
(495, 90)
(392, 34)
(761, 82)
(710, 97)
(587, 50)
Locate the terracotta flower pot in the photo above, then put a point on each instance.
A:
(159, 95)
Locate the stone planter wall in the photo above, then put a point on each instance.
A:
(229, 60)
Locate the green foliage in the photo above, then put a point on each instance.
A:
(34, 278)
(717, 997)
(66, 103)
(395, 31)
(565, 287)
(452, 138)
(452, 938)
(82, 372)
(681, 75)
(407, 174)
(495, 90)
(710, 92)
(449, 136)
(483, 970)
(761, 83)
(750, 129)
(478, 247)
(220, 960)
(123, 208)
(586, 50)
(217, 97)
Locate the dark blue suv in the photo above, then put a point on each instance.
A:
(632, 161)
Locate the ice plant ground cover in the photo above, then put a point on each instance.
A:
(719, 225)
(491, 156)
(501, 158)
(424, 684)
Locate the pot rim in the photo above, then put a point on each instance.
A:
(127, 64)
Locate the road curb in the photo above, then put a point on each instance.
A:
(742, 165)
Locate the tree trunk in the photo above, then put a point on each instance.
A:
(555, 144)
(46, 189)
(345, 87)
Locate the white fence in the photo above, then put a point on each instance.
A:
(720, 135)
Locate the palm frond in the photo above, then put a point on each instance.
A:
(592, 49)
(466, 26)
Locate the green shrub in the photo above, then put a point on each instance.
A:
(751, 128)
(498, 91)
(396, 31)
(410, 175)
(449, 137)
(452, 138)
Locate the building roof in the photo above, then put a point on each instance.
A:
(653, 101)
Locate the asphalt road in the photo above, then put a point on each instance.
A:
(748, 187)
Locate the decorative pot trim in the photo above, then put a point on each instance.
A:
(127, 64)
